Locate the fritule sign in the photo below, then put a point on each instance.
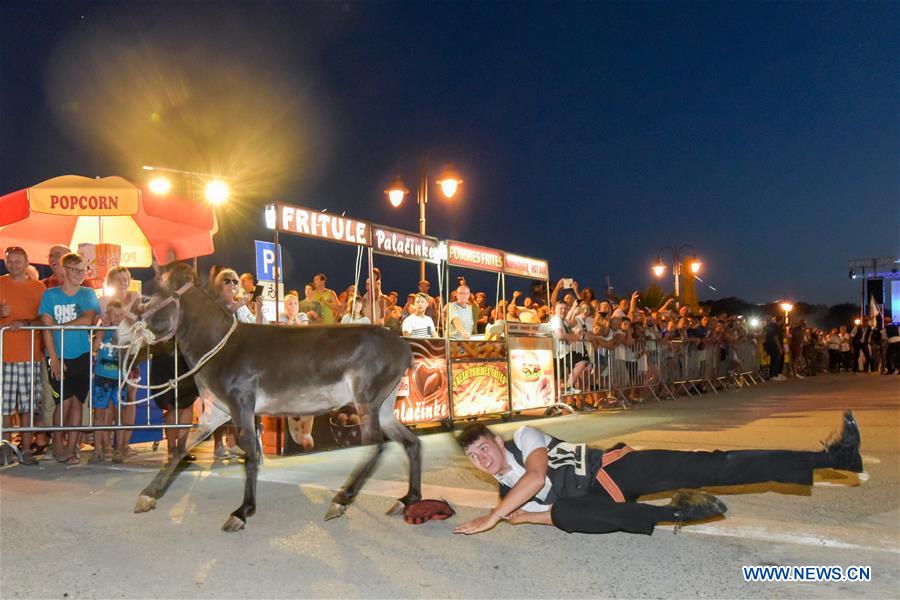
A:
(317, 224)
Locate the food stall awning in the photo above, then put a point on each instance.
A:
(73, 210)
(404, 244)
(470, 256)
(524, 266)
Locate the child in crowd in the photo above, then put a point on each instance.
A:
(106, 383)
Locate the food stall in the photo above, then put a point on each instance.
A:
(479, 368)
(508, 371)
(530, 345)
(424, 394)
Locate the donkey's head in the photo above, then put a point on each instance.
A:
(157, 319)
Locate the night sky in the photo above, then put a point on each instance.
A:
(767, 135)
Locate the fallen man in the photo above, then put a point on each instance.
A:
(576, 488)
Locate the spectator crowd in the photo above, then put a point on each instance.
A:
(54, 367)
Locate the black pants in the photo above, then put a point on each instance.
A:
(651, 471)
(776, 358)
(834, 360)
(846, 360)
(892, 357)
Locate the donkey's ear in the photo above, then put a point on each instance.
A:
(157, 270)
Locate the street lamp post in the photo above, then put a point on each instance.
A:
(449, 182)
(659, 268)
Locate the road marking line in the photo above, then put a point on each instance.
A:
(735, 527)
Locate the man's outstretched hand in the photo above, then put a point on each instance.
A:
(478, 525)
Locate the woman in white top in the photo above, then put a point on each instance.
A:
(353, 313)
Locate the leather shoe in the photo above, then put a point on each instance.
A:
(693, 505)
(845, 451)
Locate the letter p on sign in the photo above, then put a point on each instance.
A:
(265, 260)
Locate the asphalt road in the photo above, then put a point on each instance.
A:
(69, 531)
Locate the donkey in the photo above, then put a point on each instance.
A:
(296, 371)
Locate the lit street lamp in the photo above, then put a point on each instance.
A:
(787, 307)
(216, 191)
(659, 267)
(449, 182)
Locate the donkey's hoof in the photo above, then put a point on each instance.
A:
(233, 524)
(335, 510)
(396, 509)
(144, 504)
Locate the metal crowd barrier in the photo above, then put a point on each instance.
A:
(661, 367)
(36, 421)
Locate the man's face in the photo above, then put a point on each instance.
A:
(74, 272)
(421, 305)
(16, 263)
(479, 298)
(308, 292)
(319, 282)
(53, 259)
(488, 455)
(247, 283)
(560, 310)
(462, 295)
(424, 286)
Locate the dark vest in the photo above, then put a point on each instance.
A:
(571, 469)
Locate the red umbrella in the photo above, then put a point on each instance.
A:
(72, 210)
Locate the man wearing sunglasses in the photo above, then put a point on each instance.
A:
(69, 353)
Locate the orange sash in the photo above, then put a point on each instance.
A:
(603, 477)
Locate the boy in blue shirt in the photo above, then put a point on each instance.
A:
(106, 394)
(69, 353)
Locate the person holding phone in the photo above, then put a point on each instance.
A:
(226, 286)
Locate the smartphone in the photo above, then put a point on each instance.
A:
(257, 292)
(567, 283)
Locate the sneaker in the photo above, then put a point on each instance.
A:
(845, 451)
(799, 376)
(692, 505)
(779, 378)
(221, 452)
(236, 452)
(587, 408)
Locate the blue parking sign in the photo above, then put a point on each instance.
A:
(265, 260)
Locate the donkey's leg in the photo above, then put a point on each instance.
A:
(396, 431)
(154, 491)
(348, 492)
(246, 422)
